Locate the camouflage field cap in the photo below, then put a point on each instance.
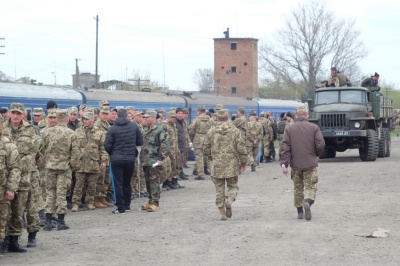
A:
(219, 107)
(150, 112)
(172, 109)
(262, 114)
(105, 109)
(302, 109)
(19, 107)
(89, 114)
(62, 113)
(185, 110)
(201, 108)
(130, 108)
(89, 108)
(103, 102)
(38, 111)
(161, 110)
(82, 106)
(241, 110)
(73, 110)
(52, 113)
(223, 113)
(171, 114)
(138, 112)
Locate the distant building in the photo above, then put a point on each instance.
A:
(84, 80)
(236, 66)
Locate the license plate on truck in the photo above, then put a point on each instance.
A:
(341, 133)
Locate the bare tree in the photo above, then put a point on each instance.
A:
(204, 79)
(311, 37)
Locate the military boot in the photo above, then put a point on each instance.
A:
(4, 245)
(183, 176)
(69, 203)
(54, 222)
(98, 204)
(90, 207)
(32, 240)
(75, 208)
(307, 209)
(228, 205)
(173, 184)
(14, 245)
(199, 178)
(175, 181)
(105, 202)
(206, 171)
(166, 185)
(195, 172)
(61, 223)
(42, 218)
(48, 225)
(253, 167)
(222, 211)
(300, 214)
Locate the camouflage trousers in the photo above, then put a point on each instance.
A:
(152, 176)
(33, 205)
(91, 180)
(57, 184)
(199, 155)
(271, 149)
(305, 185)
(397, 130)
(103, 183)
(18, 205)
(174, 172)
(265, 145)
(42, 187)
(166, 170)
(4, 217)
(180, 160)
(252, 154)
(233, 189)
(186, 154)
(135, 180)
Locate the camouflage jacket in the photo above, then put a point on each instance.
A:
(198, 130)
(267, 127)
(103, 126)
(241, 124)
(254, 133)
(224, 147)
(61, 147)
(91, 149)
(155, 145)
(170, 127)
(25, 139)
(10, 167)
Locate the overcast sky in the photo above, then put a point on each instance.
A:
(166, 38)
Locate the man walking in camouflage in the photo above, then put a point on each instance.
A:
(241, 123)
(225, 150)
(254, 135)
(62, 154)
(155, 150)
(10, 176)
(302, 144)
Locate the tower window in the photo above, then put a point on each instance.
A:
(233, 90)
(233, 46)
(233, 69)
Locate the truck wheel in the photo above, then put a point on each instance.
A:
(382, 145)
(388, 142)
(369, 148)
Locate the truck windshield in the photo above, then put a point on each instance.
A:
(324, 97)
(353, 96)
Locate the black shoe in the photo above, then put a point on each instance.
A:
(253, 167)
(199, 178)
(195, 172)
(206, 171)
(167, 185)
(110, 198)
(48, 226)
(183, 176)
(118, 212)
(127, 209)
(14, 245)
(307, 211)
(268, 159)
(32, 240)
(173, 184)
(54, 222)
(4, 245)
(185, 166)
(61, 225)
(300, 214)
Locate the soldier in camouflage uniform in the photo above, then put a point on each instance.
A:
(254, 135)
(241, 123)
(10, 176)
(397, 125)
(302, 144)
(225, 150)
(38, 116)
(73, 122)
(62, 154)
(170, 127)
(136, 191)
(267, 135)
(155, 149)
(103, 182)
(272, 122)
(92, 160)
(22, 134)
(197, 131)
(187, 149)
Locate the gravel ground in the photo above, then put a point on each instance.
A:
(353, 197)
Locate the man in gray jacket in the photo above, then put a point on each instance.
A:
(302, 144)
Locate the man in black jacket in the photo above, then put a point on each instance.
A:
(121, 142)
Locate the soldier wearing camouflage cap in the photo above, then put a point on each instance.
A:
(93, 159)
(22, 134)
(38, 116)
(221, 140)
(241, 122)
(254, 135)
(62, 155)
(103, 103)
(136, 190)
(74, 122)
(302, 144)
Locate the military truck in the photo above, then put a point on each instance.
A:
(353, 118)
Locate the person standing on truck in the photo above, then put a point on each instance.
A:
(371, 82)
(302, 144)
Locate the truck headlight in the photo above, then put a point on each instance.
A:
(357, 125)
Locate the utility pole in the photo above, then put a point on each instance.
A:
(2, 45)
(77, 75)
(97, 50)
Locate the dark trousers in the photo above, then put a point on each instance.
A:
(121, 173)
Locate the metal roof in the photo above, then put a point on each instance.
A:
(278, 103)
(210, 99)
